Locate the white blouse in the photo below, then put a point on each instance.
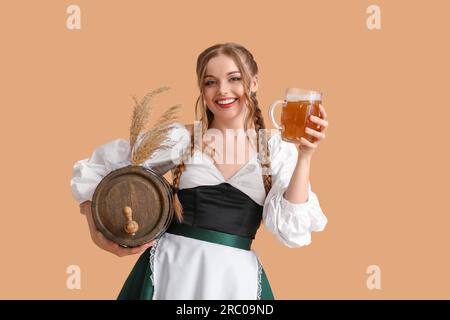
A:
(291, 223)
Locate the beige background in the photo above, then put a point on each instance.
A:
(380, 175)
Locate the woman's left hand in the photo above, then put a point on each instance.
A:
(307, 148)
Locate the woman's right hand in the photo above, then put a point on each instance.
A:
(102, 242)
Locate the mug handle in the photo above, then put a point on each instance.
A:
(272, 117)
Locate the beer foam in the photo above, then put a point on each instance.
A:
(303, 96)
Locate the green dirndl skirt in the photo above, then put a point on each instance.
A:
(139, 286)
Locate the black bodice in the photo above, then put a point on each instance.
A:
(221, 208)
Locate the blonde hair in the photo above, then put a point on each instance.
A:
(247, 66)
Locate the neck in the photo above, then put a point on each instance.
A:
(224, 125)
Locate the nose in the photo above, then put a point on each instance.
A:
(224, 87)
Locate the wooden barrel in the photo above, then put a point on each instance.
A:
(132, 205)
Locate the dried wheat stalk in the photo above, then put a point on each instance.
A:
(141, 114)
(155, 138)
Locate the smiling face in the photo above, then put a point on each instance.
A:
(224, 89)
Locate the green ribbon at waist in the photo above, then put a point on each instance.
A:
(226, 239)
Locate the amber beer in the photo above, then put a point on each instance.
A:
(298, 106)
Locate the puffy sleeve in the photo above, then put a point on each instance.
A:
(291, 223)
(87, 173)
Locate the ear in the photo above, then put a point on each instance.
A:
(254, 84)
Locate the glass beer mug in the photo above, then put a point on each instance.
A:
(298, 106)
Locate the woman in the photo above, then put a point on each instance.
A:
(206, 254)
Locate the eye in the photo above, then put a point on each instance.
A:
(236, 79)
(209, 82)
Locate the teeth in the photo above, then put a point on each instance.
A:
(225, 101)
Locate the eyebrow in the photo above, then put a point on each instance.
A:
(227, 74)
